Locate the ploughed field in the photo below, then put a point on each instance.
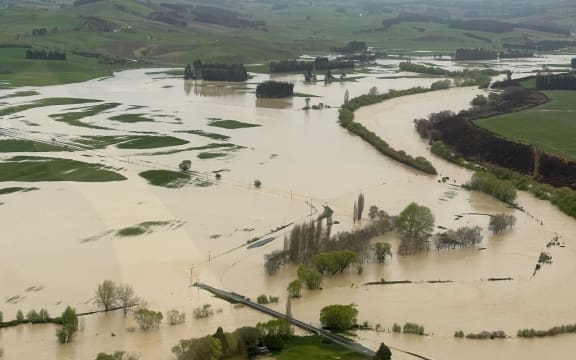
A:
(550, 127)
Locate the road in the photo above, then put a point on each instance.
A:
(337, 339)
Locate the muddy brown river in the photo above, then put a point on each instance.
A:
(59, 242)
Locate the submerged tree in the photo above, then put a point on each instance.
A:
(148, 319)
(69, 327)
(126, 298)
(501, 222)
(415, 224)
(381, 250)
(295, 289)
(106, 295)
(338, 317)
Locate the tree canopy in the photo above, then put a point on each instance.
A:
(338, 317)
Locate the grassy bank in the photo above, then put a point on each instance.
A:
(550, 127)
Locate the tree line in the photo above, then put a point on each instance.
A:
(319, 63)
(557, 81)
(274, 89)
(42, 54)
(346, 120)
(216, 72)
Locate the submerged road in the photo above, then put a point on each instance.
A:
(337, 339)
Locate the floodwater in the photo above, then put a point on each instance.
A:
(59, 242)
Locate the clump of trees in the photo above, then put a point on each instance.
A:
(556, 81)
(415, 225)
(310, 276)
(111, 296)
(274, 89)
(441, 85)
(38, 317)
(175, 317)
(461, 238)
(335, 261)
(338, 317)
(69, 327)
(208, 348)
(148, 319)
(490, 184)
(216, 72)
(41, 54)
(311, 244)
(203, 312)
(487, 335)
(118, 355)
(264, 299)
(501, 222)
(413, 328)
(381, 251)
(319, 64)
(295, 289)
(554, 331)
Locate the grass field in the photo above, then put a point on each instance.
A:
(230, 124)
(43, 103)
(551, 127)
(312, 348)
(299, 27)
(12, 190)
(37, 169)
(73, 118)
(16, 145)
(131, 118)
(150, 142)
(166, 178)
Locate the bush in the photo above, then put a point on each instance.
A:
(262, 299)
(338, 317)
(203, 312)
(396, 328)
(274, 343)
(488, 183)
(412, 328)
(174, 317)
(487, 335)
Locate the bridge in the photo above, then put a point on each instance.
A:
(337, 339)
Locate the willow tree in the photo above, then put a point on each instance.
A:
(415, 225)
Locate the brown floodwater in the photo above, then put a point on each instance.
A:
(59, 242)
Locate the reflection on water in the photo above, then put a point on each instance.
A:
(212, 89)
(298, 157)
(284, 103)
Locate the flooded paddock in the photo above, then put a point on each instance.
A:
(59, 242)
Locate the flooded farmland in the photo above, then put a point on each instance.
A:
(63, 239)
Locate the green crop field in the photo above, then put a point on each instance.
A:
(551, 127)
